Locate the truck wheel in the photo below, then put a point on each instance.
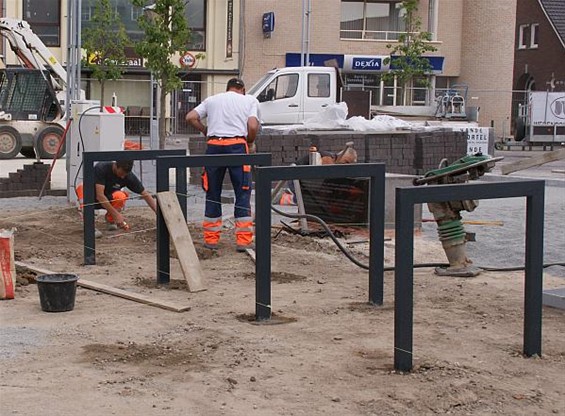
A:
(520, 129)
(28, 152)
(10, 142)
(48, 141)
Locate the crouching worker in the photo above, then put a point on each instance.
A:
(110, 178)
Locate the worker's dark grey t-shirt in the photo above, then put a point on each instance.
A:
(103, 175)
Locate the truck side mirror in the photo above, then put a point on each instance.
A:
(270, 94)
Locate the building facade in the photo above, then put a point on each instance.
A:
(474, 41)
(215, 38)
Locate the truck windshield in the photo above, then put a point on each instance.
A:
(254, 90)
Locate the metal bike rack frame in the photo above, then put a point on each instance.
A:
(266, 175)
(180, 163)
(88, 159)
(534, 191)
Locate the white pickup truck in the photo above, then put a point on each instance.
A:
(291, 95)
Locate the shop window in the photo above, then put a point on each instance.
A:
(195, 12)
(370, 19)
(44, 17)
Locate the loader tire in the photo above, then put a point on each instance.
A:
(48, 141)
(10, 142)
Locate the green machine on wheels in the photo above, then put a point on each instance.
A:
(447, 214)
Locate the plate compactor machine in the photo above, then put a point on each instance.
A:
(447, 214)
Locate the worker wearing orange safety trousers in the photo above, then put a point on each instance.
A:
(232, 125)
(110, 179)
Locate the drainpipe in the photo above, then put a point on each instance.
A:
(241, 58)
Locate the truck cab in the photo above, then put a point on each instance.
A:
(291, 95)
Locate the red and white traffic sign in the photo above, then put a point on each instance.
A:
(187, 60)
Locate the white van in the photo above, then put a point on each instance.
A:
(291, 95)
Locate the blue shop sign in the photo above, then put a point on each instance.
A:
(436, 63)
(316, 59)
(366, 64)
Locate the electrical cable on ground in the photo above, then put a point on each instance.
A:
(391, 268)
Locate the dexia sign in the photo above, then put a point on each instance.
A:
(366, 64)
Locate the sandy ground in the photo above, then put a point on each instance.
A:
(328, 352)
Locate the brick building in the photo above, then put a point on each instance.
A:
(539, 63)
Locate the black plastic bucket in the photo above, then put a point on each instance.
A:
(57, 292)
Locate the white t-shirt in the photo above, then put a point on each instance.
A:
(227, 113)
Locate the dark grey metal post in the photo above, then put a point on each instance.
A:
(163, 250)
(88, 212)
(262, 247)
(376, 236)
(404, 281)
(533, 293)
(181, 188)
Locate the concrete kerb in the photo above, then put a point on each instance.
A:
(492, 177)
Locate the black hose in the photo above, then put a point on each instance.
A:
(327, 229)
(391, 268)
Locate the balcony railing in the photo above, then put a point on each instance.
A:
(369, 35)
(386, 35)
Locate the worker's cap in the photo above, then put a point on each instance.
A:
(236, 83)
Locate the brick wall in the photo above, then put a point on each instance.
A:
(411, 153)
(25, 182)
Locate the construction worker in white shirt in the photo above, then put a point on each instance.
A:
(232, 125)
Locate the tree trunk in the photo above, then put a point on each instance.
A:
(162, 118)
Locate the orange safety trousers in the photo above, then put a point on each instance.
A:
(212, 229)
(212, 179)
(118, 200)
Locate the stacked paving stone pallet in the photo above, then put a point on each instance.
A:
(410, 153)
(25, 182)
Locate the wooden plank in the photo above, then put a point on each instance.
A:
(533, 161)
(178, 230)
(251, 254)
(136, 297)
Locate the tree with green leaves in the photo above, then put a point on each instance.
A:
(166, 34)
(408, 61)
(105, 40)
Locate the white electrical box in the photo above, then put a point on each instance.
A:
(91, 131)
